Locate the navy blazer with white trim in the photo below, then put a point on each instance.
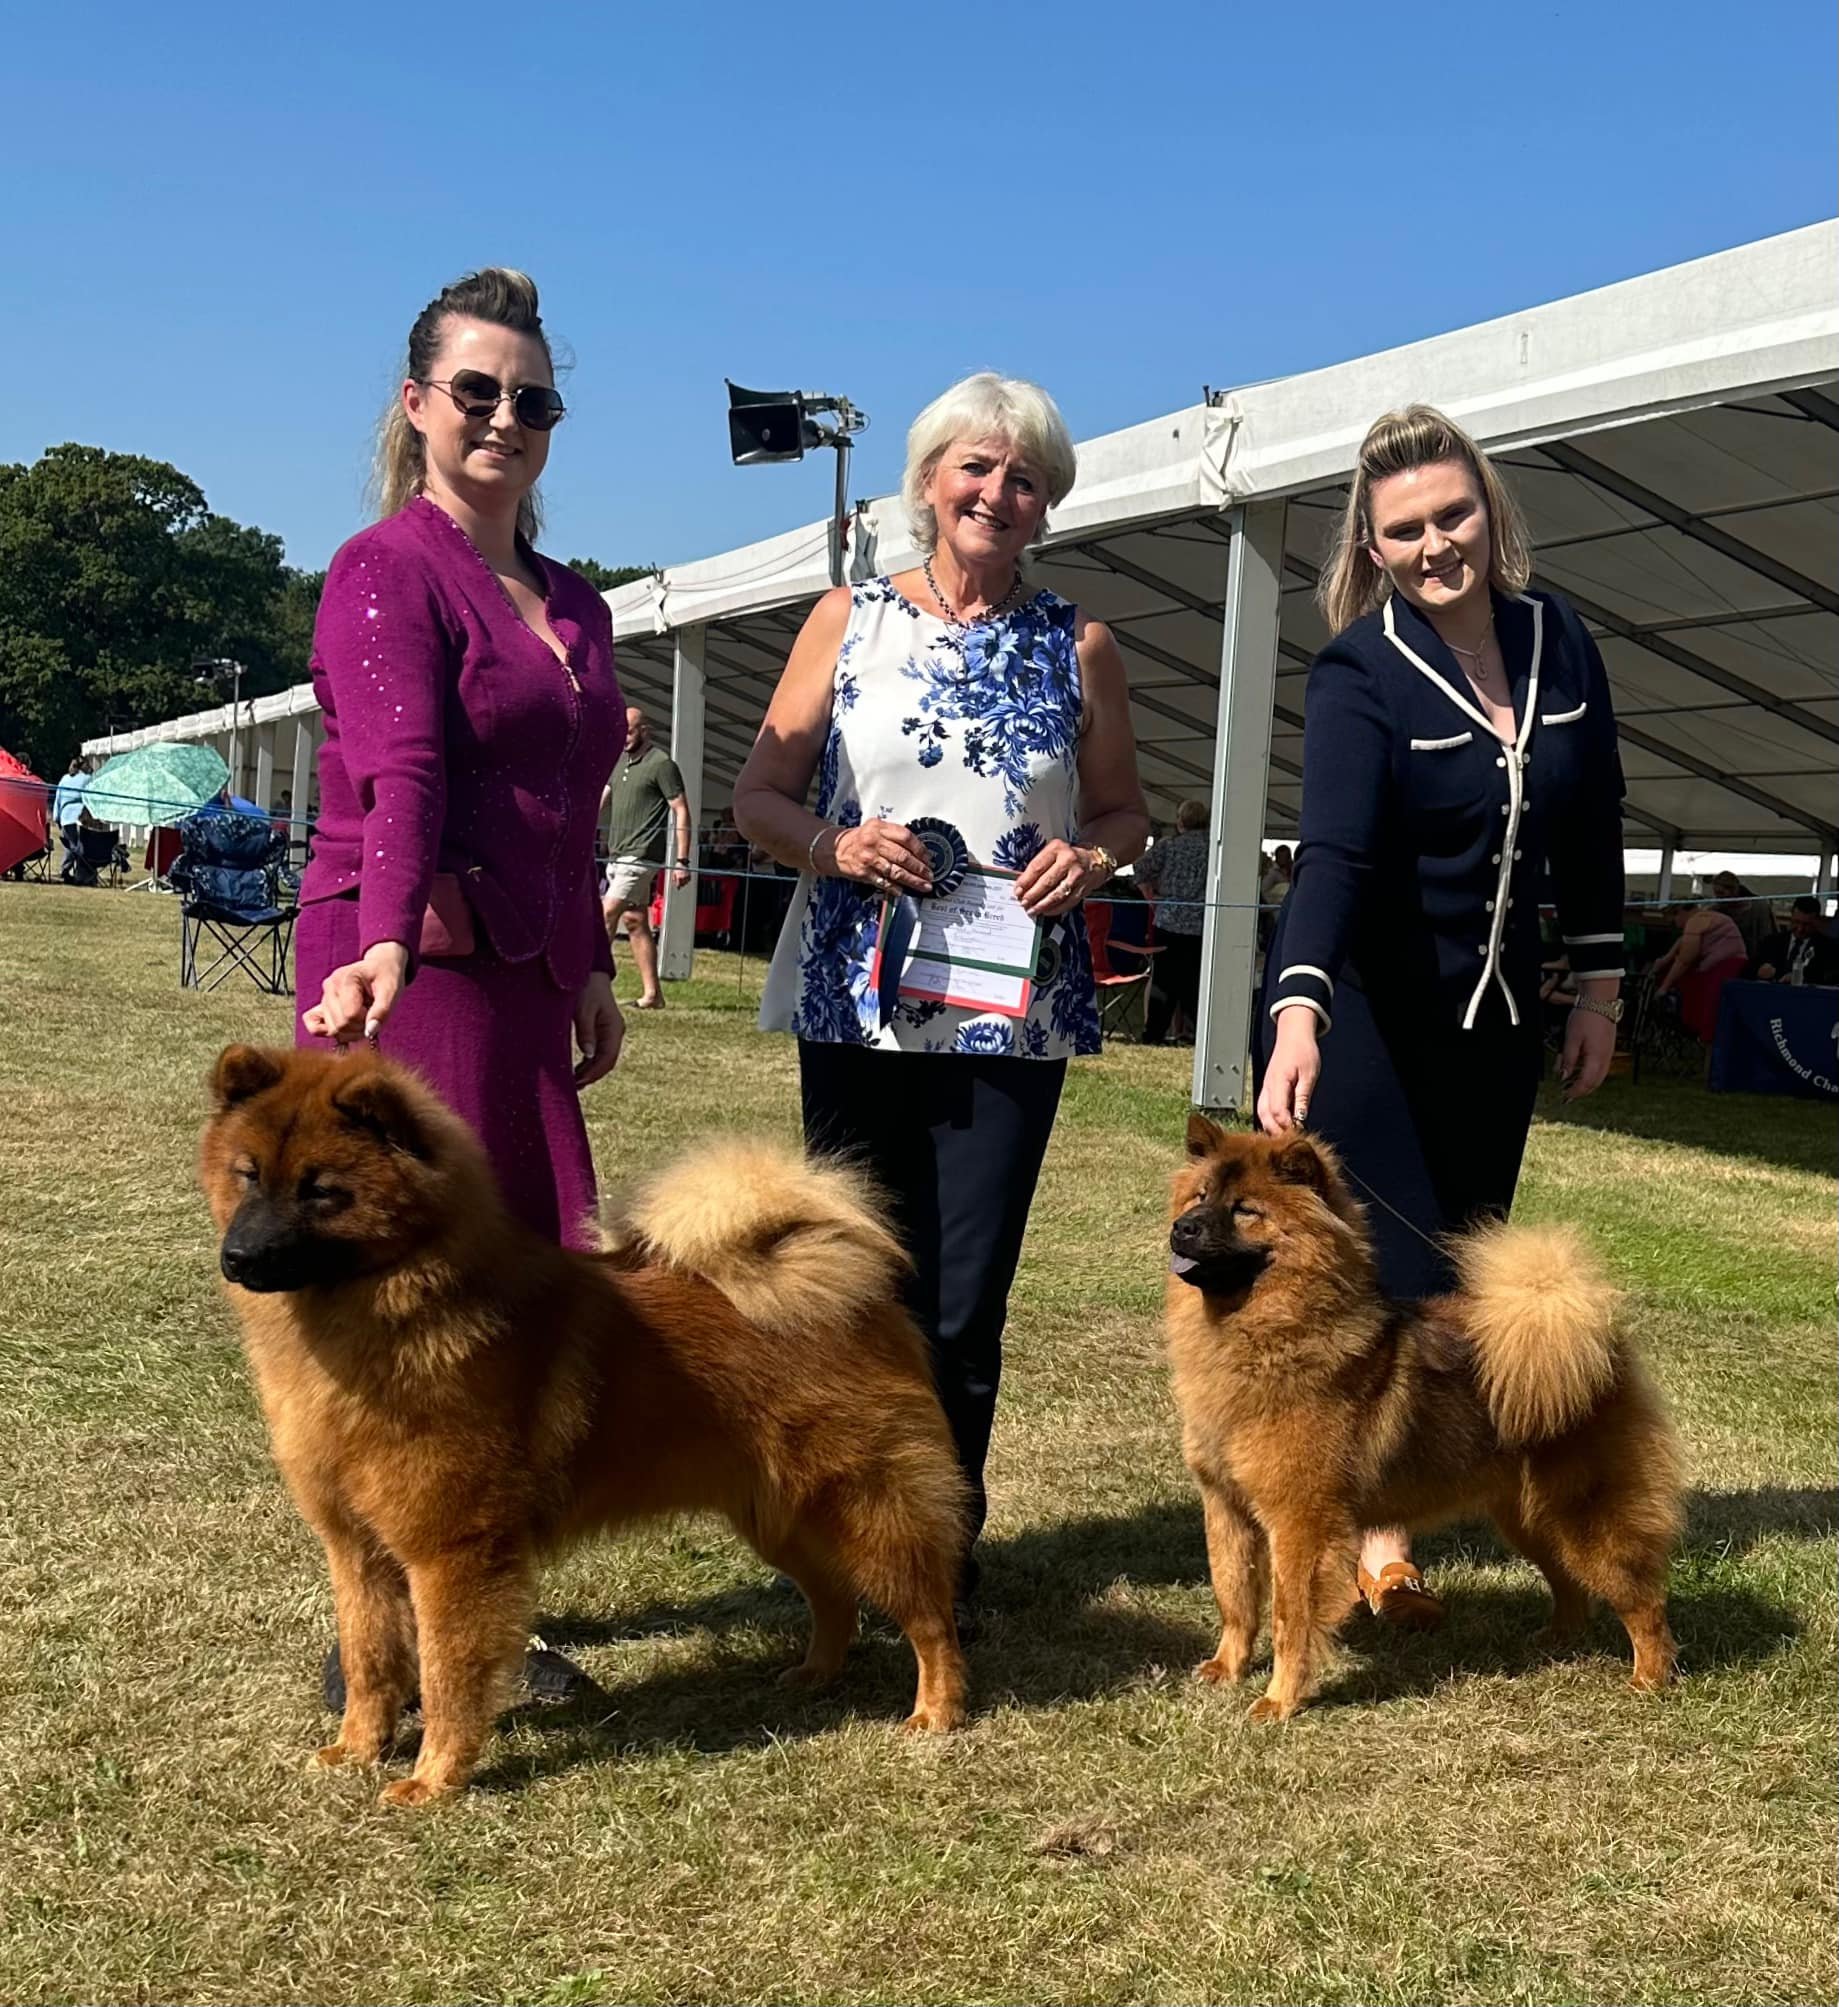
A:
(1425, 838)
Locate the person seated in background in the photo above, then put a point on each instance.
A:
(1801, 952)
(1557, 993)
(1755, 918)
(1708, 939)
(1708, 953)
(1556, 986)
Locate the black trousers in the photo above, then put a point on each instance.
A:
(956, 1142)
(1430, 1119)
(1175, 981)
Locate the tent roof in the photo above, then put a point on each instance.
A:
(1672, 441)
(1671, 437)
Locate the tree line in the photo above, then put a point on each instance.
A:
(117, 582)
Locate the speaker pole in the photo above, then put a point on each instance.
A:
(839, 522)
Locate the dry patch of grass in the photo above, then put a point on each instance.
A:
(1461, 1820)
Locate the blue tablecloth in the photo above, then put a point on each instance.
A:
(1776, 1039)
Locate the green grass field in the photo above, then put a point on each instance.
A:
(1457, 1820)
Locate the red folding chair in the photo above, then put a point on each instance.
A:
(1121, 968)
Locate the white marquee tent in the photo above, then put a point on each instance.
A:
(1672, 438)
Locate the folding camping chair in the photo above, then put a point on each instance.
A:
(228, 875)
(98, 856)
(1660, 1043)
(1121, 933)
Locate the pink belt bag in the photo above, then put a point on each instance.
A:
(448, 930)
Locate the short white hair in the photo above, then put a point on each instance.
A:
(986, 406)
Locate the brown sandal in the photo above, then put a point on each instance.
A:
(1397, 1595)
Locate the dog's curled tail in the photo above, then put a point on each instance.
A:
(795, 1245)
(1542, 1317)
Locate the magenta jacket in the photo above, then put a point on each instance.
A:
(455, 741)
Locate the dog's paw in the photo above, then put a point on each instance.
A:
(335, 1754)
(1653, 1679)
(1219, 1672)
(933, 1721)
(807, 1675)
(1266, 1709)
(408, 1792)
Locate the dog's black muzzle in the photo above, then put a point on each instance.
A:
(266, 1250)
(1212, 1257)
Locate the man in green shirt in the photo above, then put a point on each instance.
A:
(650, 829)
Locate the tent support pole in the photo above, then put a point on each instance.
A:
(306, 738)
(264, 795)
(677, 944)
(1241, 760)
(1663, 890)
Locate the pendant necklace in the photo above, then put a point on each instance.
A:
(963, 622)
(1480, 671)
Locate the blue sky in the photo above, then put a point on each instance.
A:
(219, 221)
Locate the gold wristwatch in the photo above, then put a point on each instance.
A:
(1609, 1007)
(1102, 859)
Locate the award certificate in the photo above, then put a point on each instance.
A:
(974, 947)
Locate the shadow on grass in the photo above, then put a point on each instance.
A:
(1053, 1637)
(1794, 1135)
(1720, 1523)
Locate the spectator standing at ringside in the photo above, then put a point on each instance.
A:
(1273, 890)
(67, 806)
(955, 693)
(650, 810)
(1754, 917)
(1174, 874)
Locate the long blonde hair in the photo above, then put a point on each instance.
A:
(505, 298)
(1351, 584)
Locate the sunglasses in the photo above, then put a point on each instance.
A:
(535, 406)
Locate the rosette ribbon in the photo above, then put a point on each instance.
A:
(949, 859)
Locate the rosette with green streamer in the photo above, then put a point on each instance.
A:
(948, 858)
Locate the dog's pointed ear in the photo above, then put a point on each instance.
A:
(1204, 1136)
(1297, 1161)
(372, 1099)
(243, 1071)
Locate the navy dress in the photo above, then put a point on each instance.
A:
(1412, 928)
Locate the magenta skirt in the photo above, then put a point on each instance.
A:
(495, 1040)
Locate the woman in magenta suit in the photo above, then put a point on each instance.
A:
(472, 716)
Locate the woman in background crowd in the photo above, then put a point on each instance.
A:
(1174, 874)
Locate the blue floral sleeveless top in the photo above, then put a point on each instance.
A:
(980, 727)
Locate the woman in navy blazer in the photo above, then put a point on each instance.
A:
(1460, 746)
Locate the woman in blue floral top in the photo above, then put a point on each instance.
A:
(955, 693)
